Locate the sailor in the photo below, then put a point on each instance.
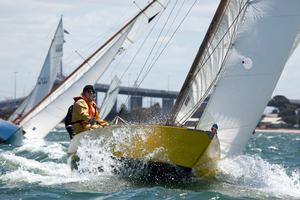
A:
(85, 115)
(214, 129)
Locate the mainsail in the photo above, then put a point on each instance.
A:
(266, 36)
(50, 70)
(110, 97)
(238, 65)
(50, 111)
(209, 60)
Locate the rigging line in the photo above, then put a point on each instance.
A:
(140, 8)
(103, 46)
(188, 114)
(203, 50)
(141, 46)
(222, 38)
(161, 43)
(153, 61)
(183, 19)
(144, 65)
(156, 42)
(222, 68)
(195, 107)
(138, 51)
(114, 65)
(82, 57)
(209, 43)
(90, 46)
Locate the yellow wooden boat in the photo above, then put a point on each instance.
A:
(194, 151)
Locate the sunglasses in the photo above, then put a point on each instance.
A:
(90, 91)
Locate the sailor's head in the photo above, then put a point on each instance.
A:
(89, 92)
(214, 128)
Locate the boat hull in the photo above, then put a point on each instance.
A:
(10, 133)
(175, 146)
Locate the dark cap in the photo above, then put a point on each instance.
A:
(215, 126)
(89, 87)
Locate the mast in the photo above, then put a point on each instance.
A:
(90, 57)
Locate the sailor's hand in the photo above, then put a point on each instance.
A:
(104, 123)
(92, 121)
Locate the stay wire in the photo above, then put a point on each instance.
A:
(165, 23)
(156, 42)
(179, 25)
(139, 49)
(161, 43)
(166, 45)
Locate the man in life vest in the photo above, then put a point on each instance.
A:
(85, 115)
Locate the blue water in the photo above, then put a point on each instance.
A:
(268, 169)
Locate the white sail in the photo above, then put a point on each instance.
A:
(49, 72)
(297, 40)
(209, 59)
(266, 36)
(52, 109)
(110, 97)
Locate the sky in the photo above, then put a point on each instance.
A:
(27, 28)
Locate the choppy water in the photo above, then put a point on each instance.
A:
(269, 169)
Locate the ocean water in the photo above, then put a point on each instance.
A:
(268, 169)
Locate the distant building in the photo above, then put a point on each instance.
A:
(271, 120)
(270, 110)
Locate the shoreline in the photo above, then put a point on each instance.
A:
(278, 130)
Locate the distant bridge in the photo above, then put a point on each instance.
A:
(136, 98)
(137, 94)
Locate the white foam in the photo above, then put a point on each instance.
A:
(95, 151)
(253, 172)
(31, 171)
(272, 148)
(54, 150)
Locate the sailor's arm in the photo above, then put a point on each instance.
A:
(100, 121)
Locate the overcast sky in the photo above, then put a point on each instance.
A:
(27, 27)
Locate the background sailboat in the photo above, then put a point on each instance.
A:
(51, 110)
(110, 97)
(50, 72)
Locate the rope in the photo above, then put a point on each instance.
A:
(138, 51)
(156, 42)
(153, 61)
(166, 45)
